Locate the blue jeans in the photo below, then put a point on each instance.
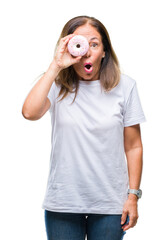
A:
(76, 226)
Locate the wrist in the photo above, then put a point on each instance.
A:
(54, 69)
(132, 196)
(136, 192)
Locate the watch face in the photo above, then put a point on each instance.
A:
(139, 193)
(136, 192)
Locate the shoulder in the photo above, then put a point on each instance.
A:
(55, 88)
(55, 85)
(126, 81)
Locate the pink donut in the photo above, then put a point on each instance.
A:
(78, 46)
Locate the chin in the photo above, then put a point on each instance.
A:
(89, 77)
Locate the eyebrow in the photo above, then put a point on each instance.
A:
(93, 38)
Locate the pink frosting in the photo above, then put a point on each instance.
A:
(78, 46)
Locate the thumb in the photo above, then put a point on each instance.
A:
(77, 59)
(123, 217)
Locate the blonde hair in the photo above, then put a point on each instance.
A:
(110, 69)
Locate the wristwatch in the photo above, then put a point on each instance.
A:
(138, 192)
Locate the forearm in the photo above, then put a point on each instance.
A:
(36, 98)
(134, 153)
(135, 164)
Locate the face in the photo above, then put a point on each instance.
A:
(93, 56)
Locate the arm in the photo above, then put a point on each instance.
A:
(37, 103)
(134, 153)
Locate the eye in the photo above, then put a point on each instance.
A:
(94, 45)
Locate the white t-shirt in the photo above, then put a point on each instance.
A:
(88, 168)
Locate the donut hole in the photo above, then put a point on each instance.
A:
(78, 45)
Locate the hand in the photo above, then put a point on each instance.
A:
(131, 209)
(63, 58)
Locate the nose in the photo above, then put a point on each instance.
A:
(88, 53)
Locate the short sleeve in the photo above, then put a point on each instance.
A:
(52, 95)
(133, 112)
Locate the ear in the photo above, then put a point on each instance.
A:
(103, 55)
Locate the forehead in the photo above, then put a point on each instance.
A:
(88, 31)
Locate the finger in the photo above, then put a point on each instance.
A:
(125, 227)
(69, 36)
(76, 59)
(123, 217)
(130, 224)
(64, 42)
(63, 45)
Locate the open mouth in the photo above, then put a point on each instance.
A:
(88, 67)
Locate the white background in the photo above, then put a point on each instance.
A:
(29, 31)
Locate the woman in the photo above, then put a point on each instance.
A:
(95, 123)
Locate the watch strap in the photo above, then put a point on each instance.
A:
(138, 192)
